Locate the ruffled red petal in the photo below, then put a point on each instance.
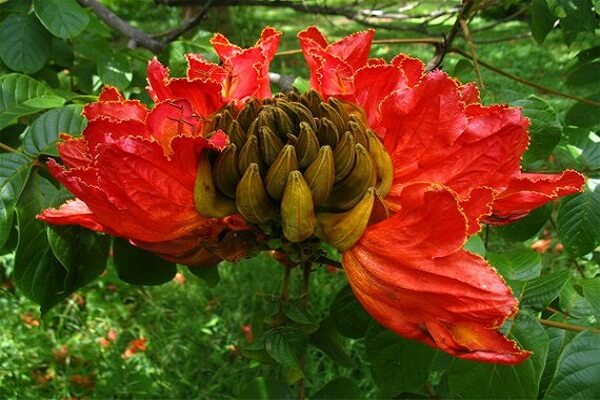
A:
(110, 93)
(372, 83)
(199, 68)
(73, 212)
(123, 110)
(477, 205)
(173, 118)
(354, 49)
(73, 151)
(529, 191)
(412, 276)
(413, 68)
(224, 47)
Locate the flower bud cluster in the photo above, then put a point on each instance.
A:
(296, 165)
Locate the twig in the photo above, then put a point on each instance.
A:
(190, 24)
(566, 326)
(114, 21)
(443, 47)
(8, 149)
(524, 81)
(555, 311)
(469, 39)
(330, 262)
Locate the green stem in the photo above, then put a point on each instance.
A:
(566, 326)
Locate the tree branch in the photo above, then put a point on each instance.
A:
(116, 22)
(526, 82)
(188, 25)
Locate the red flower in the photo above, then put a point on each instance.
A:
(445, 164)
(133, 170)
(456, 163)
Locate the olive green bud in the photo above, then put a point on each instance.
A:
(359, 133)
(248, 114)
(344, 155)
(249, 154)
(251, 198)
(312, 100)
(283, 122)
(209, 202)
(342, 230)
(298, 113)
(328, 112)
(270, 144)
(225, 171)
(351, 189)
(308, 145)
(383, 164)
(320, 175)
(327, 133)
(298, 218)
(338, 105)
(236, 134)
(276, 178)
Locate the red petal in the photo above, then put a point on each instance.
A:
(372, 84)
(312, 34)
(73, 151)
(110, 93)
(529, 191)
(73, 212)
(99, 130)
(172, 118)
(413, 68)
(244, 73)
(354, 49)
(116, 110)
(412, 276)
(204, 96)
(269, 42)
(469, 93)
(199, 68)
(224, 47)
(158, 75)
(476, 206)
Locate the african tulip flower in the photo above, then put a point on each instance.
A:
(394, 166)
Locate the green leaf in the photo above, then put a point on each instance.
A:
(285, 344)
(24, 43)
(468, 379)
(578, 18)
(527, 227)
(265, 388)
(579, 222)
(45, 101)
(14, 170)
(209, 274)
(398, 365)
(545, 130)
(339, 388)
(37, 273)
(63, 18)
(584, 115)
(41, 136)
(475, 245)
(583, 148)
(15, 6)
(584, 75)
(591, 292)
(578, 369)
(539, 293)
(115, 71)
(328, 340)
(542, 20)
(559, 338)
(517, 265)
(349, 316)
(139, 267)
(15, 91)
(82, 252)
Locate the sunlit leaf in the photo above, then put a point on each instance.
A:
(579, 222)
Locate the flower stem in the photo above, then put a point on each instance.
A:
(567, 326)
(306, 270)
(283, 296)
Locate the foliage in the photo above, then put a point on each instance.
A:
(55, 56)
